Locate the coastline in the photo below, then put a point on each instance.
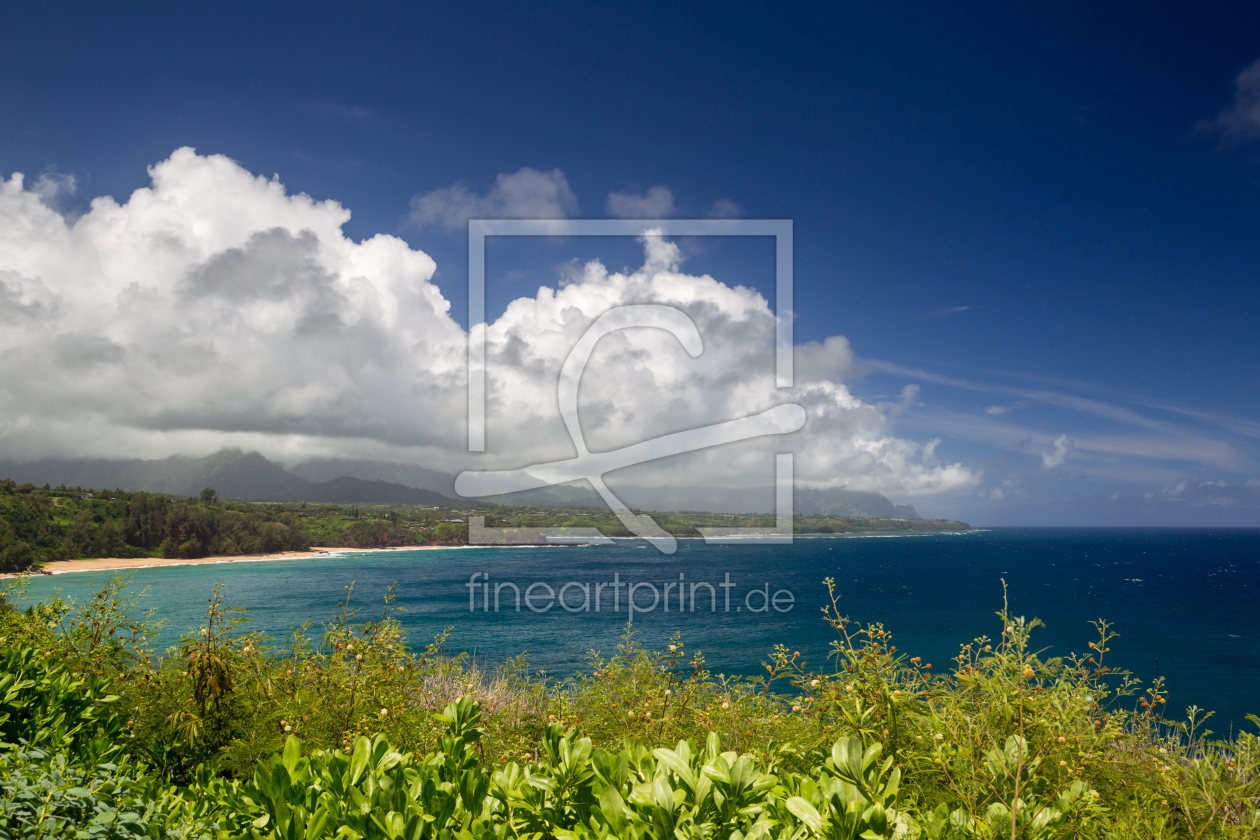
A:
(109, 564)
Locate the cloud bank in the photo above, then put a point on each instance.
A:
(214, 308)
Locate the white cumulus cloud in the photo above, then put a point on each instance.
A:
(213, 308)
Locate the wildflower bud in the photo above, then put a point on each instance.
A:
(1094, 793)
(725, 705)
(1028, 673)
(1062, 740)
(668, 692)
(988, 648)
(813, 683)
(673, 648)
(1063, 764)
(288, 729)
(358, 656)
(796, 708)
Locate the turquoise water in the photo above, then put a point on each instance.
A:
(1185, 602)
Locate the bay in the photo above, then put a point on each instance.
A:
(1186, 602)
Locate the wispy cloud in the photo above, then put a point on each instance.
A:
(348, 114)
(724, 208)
(1058, 453)
(1109, 434)
(656, 203)
(1057, 398)
(1239, 122)
(1236, 425)
(525, 194)
(997, 410)
(1198, 493)
(55, 188)
(1184, 447)
(946, 311)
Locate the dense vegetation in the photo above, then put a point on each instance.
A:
(43, 524)
(349, 732)
(38, 525)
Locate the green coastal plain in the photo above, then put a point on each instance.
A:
(41, 525)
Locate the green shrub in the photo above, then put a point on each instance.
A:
(333, 732)
(44, 795)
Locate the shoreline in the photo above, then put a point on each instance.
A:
(110, 564)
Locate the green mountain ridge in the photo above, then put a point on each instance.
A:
(239, 475)
(231, 472)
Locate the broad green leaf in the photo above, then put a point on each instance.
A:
(806, 813)
(292, 754)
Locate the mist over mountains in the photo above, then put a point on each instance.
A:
(239, 475)
(233, 473)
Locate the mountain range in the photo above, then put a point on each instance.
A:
(233, 473)
(240, 475)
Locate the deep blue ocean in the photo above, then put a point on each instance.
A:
(1186, 603)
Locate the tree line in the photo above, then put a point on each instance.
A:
(39, 525)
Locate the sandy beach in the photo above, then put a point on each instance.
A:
(105, 564)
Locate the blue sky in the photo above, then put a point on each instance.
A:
(1046, 219)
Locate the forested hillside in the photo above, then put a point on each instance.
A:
(45, 524)
(39, 525)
